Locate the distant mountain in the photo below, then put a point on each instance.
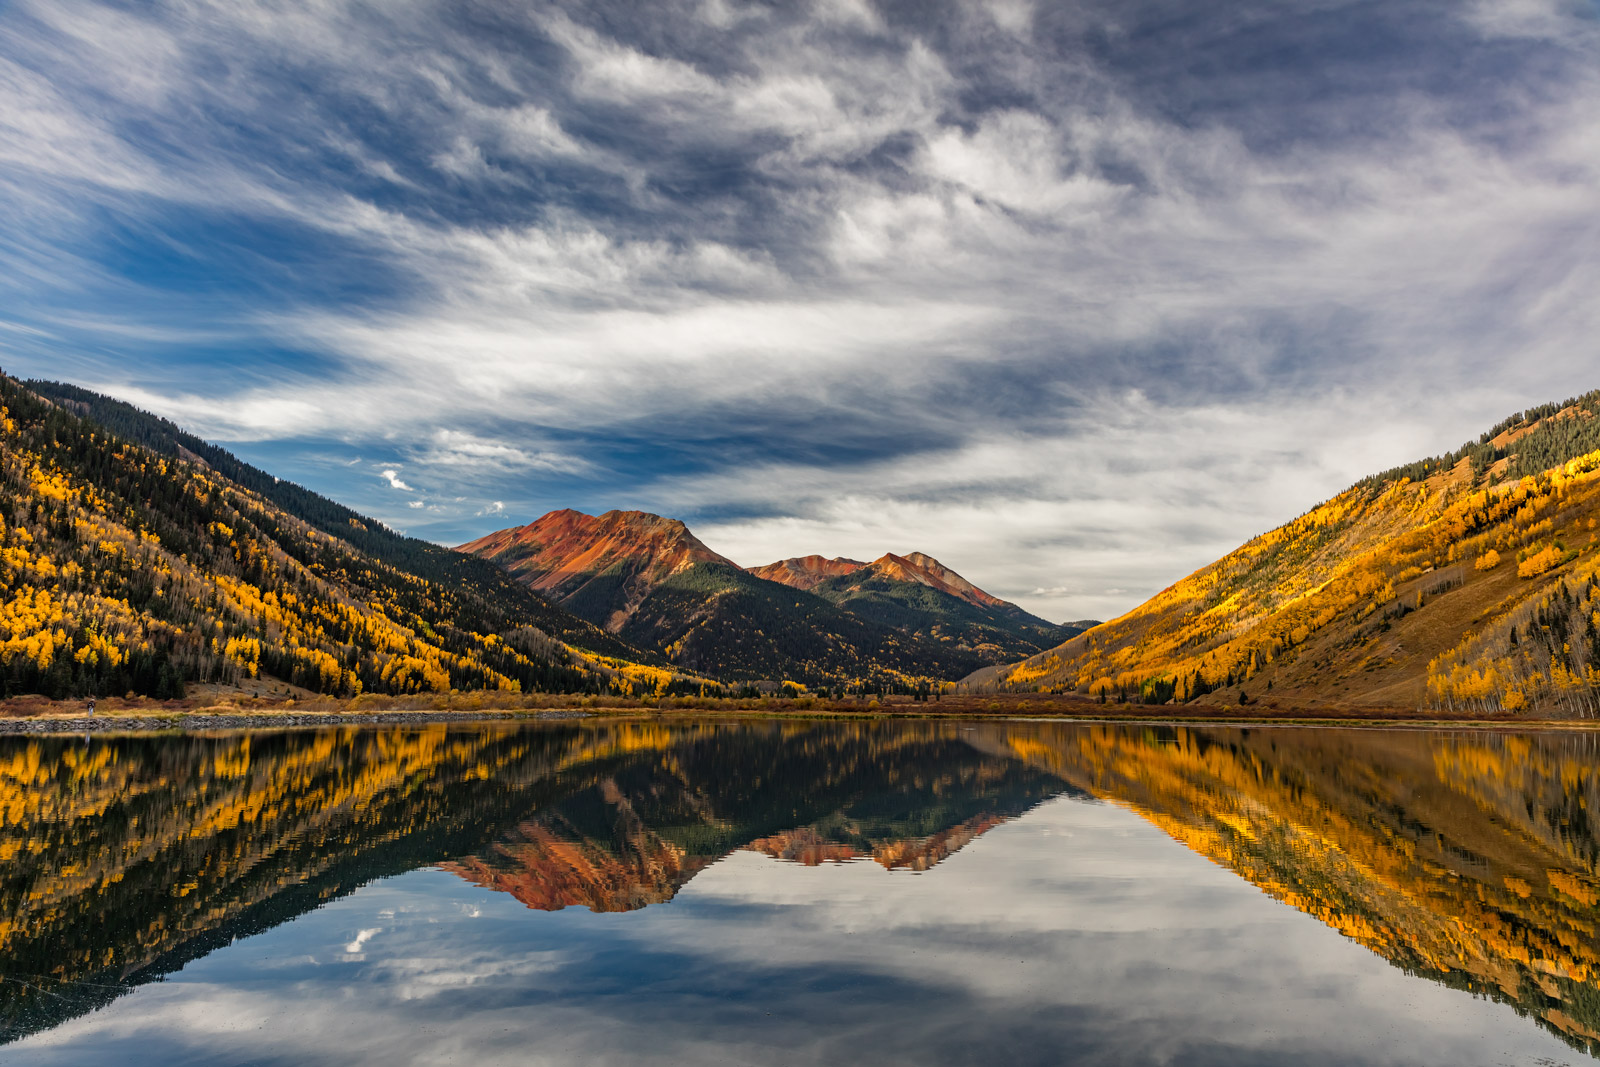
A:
(927, 601)
(136, 557)
(652, 582)
(1464, 582)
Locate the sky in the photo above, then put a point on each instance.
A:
(1074, 297)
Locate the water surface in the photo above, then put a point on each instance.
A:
(787, 892)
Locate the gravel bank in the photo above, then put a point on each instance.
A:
(181, 721)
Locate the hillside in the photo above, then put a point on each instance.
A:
(898, 621)
(424, 559)
(145, 567)
(1464, 581)
(716, 618)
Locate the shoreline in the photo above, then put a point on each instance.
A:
(197, 721)
(209, 719)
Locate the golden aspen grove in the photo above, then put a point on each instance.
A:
(1464, 583)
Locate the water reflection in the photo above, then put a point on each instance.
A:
(1465, 858)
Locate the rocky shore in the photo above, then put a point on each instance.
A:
(209, 721)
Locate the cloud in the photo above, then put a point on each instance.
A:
(362, 938)
(836, 271)
(392, 476)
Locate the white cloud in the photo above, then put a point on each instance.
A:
(362, 938)
(392, 476)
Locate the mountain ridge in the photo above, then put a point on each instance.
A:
(622, 570)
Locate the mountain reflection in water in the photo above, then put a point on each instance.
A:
(1466, 858)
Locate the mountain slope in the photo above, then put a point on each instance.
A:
(920, 597)
(123, 568)
(1462, 582)
(718, 619)
(474, 578)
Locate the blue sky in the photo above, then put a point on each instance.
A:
(1074, 297)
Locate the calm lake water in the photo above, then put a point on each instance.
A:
(807, 893)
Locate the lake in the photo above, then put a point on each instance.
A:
(794, 892)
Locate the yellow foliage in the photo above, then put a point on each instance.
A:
(1539, 562)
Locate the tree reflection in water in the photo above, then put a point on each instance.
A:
(1467, 858)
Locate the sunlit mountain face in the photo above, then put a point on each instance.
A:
(1466, 859)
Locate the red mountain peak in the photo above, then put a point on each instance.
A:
(921, 567)
(562, 550)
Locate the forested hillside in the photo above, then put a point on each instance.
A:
(922, 599)
(141, 567)
(1466, 582)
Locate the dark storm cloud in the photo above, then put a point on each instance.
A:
(994, 280)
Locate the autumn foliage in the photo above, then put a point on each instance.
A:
(1392, 592)
(123, 570)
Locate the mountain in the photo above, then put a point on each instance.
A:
(136, 557)
(652, 582)
(927, 601)
(600, 567)
(1462, 582)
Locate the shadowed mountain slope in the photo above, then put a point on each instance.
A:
(1467, 581)
(922, 598)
